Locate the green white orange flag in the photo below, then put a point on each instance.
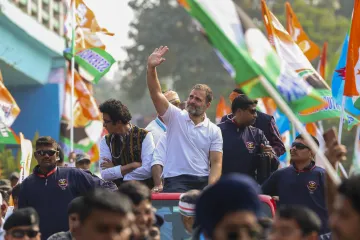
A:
(297, 33)
(7, 135)
(249, 54)
(222, 109)
(9, 110)
(352, 76)
(290, 53)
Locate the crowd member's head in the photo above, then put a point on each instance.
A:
(296, 223)
(74, 209)
(82, 161)
(14, 178)
(46, 153)
(72, 157)
(105, 215)
(199, 100)
(22, 224)
(229, 209)
(15, 195)
(116, 117)
(154, 233)
(300, 151)
(345, 219)
(182, 105)
(187, 205)
(172, 97)
(60, 159)
(140, 195)
(236, 92)
(5, 202)
(5, 185)
(244, 110)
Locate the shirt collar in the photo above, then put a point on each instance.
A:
(204, 123)
(160, 124)
(39, 174)
(309, 167)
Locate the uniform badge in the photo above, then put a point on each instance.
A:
(250, 145)
(63, 183)
(312, 186)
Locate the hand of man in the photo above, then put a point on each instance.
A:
(335, 152)
(267, 149)
(157, 189)
(106, 164)
(156, 58)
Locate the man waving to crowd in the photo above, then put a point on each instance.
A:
(193, 142)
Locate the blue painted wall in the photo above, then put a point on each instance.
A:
(40, 108)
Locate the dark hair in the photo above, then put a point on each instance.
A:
(116, 111)
(190, 196)
(307, 220)
(104, 200)
(76, 205)
(239, 91)
(314, 138)
(5, 196)
(16, 191)
(136, 191)
(61, 154)
(242, 102)
(46, 141)
(350, 188)
(207, 89)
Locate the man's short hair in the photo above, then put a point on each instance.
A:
(307, 220)
(136, 191)
(46, 141)
(190, 196)
(239, 91)
(22, 217)
(76, 205)
(207, 89)
(314, 138)
(242, 102)
(104, 200)
(350, 188)
(116, 111)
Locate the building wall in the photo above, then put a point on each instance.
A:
(41, 109)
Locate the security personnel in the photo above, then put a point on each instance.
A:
(242, 142)
(49, 189)
(302, 183)
(264, 122)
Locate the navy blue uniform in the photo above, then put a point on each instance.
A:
(241, 145)
(305, 187)
(51, 194)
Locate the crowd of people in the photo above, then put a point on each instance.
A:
(220, 170)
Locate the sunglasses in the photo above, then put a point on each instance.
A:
(44, 152)
(18, 233)
(299, 146)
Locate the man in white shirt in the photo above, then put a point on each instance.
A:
(193, 143)
(126, 152)
(157, 126)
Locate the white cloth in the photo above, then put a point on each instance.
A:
(141, 173)
(188, 146)
(159, 156)
(157, 128)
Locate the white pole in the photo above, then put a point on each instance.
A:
(341, 123)
(288, 112)
(72, 76)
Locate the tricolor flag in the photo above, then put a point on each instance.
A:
(222, 109)
(352, 77)
(297, 33)
(7, 135)
(9, 109)
(249, 53)
(290, 53)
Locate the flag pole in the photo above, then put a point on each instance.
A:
(341, 123)
(307, 137)
(72, 75)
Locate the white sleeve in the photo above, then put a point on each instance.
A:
(171, 113)
(108, 174)
(160, 152)
(147, 150)
(217, 141)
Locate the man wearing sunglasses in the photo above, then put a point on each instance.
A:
(244, 143)
(23, 224)
(302, 183)
(49, 189)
